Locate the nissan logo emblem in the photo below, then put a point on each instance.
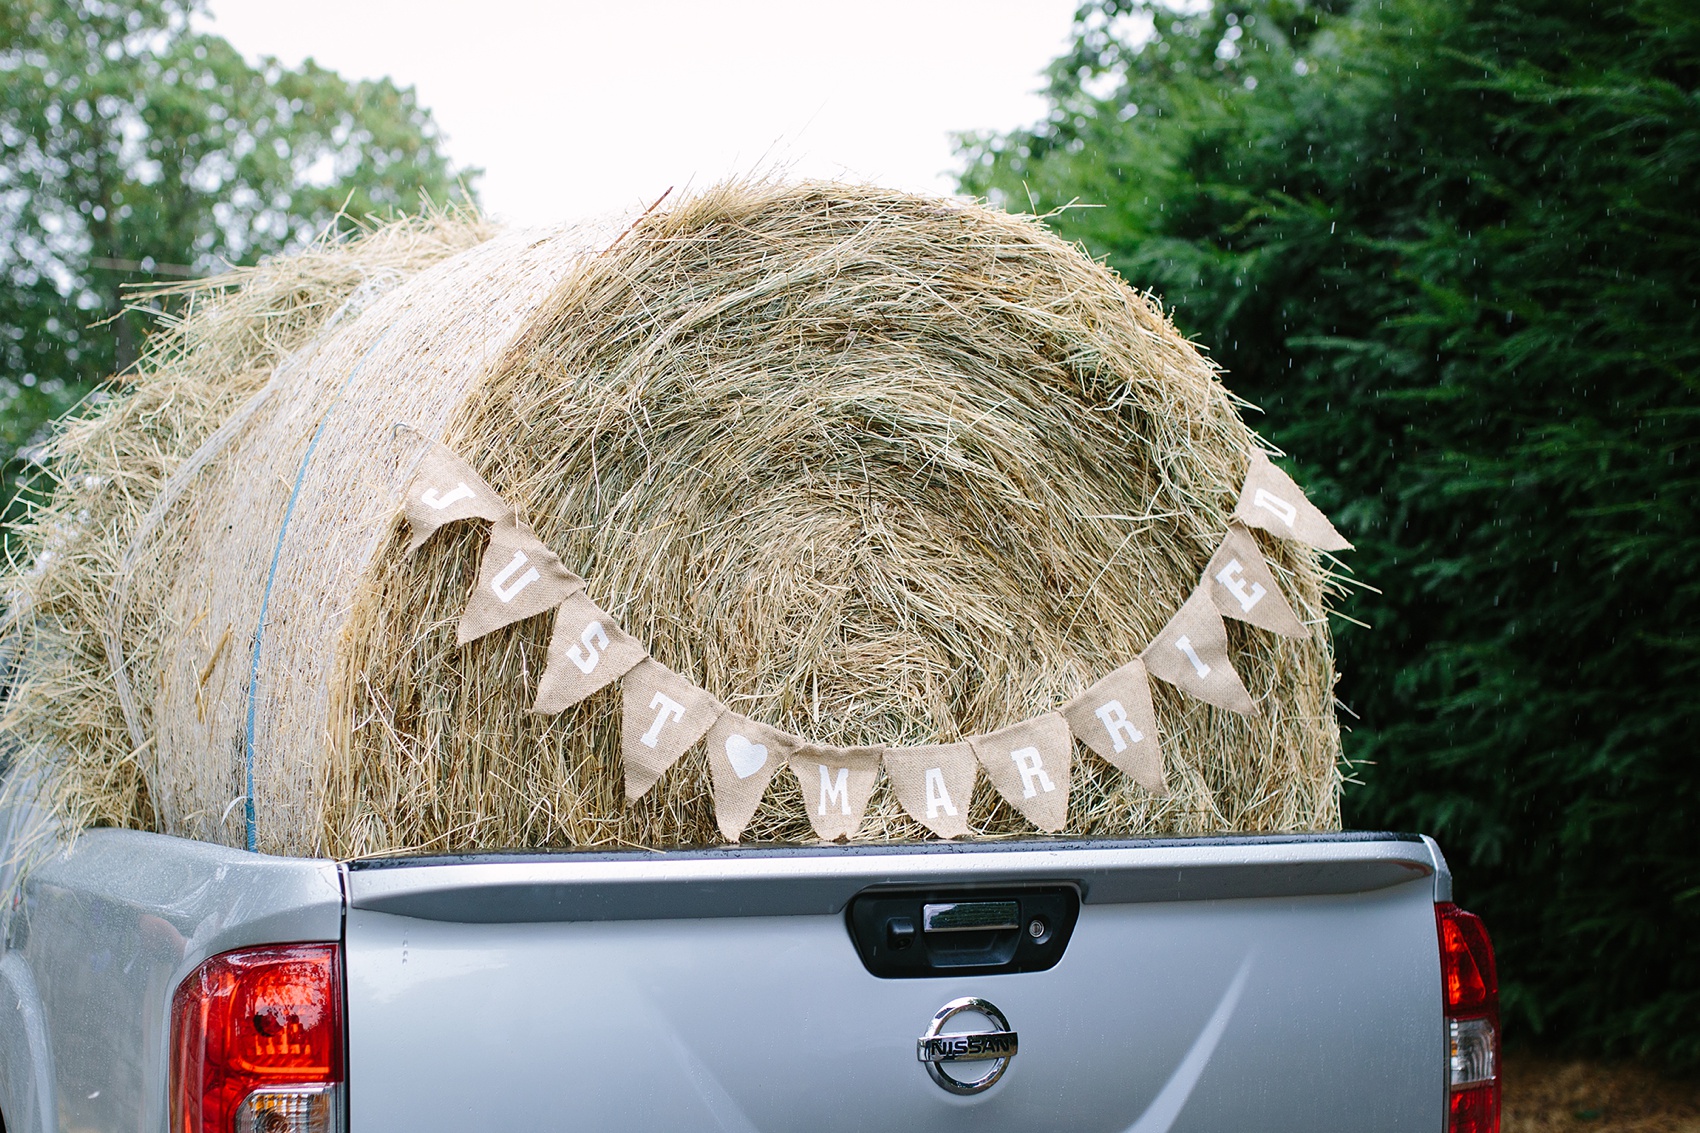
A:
(939, 1050)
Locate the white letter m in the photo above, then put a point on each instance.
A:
(838, 788)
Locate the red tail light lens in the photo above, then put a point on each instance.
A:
(1475, 1110)
(256, 1042)
(1466, 962)
(1470, 987)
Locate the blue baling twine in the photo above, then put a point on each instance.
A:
(271, 577)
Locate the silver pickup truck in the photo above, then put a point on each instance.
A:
(1289, 982)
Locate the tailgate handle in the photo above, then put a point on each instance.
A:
(925, 933)
(970, 916)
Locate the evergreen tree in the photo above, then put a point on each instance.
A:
(1452, 248)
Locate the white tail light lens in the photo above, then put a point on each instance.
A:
(290, 1111)
(1475, 1055)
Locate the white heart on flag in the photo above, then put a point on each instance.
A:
(743, 755)
(746, 757)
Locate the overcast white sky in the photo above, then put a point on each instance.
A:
(577, 108)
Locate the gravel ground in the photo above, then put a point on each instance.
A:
(1550, 1095)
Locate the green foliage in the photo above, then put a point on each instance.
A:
(1452, 247)
(135, 149)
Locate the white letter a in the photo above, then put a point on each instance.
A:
(938, 797)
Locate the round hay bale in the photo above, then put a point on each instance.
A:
(871, 467)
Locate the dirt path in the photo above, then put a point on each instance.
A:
(1554, 1095)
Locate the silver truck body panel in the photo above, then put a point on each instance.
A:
(105, 932)
(26, 1084)
(1209, 985)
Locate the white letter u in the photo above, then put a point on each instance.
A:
(500, 585)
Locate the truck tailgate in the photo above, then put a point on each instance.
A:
(1224, 984)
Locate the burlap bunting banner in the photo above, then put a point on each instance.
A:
(589, 651)
(837, 784)
(1191, 653)
(1243, 587)
(446, 489)
(518, 578)
(934, 784)
(743, 754)
(1029, 763)
(1115, 719)
(661, 716)
(1271, 501)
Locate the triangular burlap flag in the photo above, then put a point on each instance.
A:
(1272, 501)
(1191, 653)
(518, 578)
(589, 651)
(1115, 719)
(934, 784)
(743, 754)
(1241, 585)
(837, 784)
(1029, 764)
(446, 489)
(663, 715)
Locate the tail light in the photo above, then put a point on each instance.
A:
(1471, 987)
(256, 1043)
